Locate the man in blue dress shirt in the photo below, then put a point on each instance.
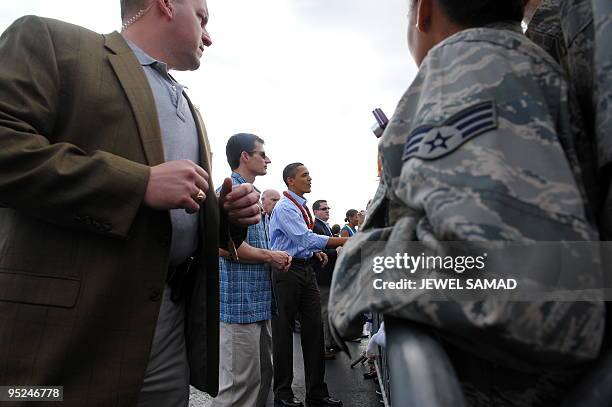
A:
(297, 292)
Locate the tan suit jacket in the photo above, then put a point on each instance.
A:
(82, 262)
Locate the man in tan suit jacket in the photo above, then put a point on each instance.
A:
(85, 197)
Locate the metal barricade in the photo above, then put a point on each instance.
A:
(413, 369)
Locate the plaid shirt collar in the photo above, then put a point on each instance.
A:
(239, 179)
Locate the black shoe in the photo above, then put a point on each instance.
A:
(291, 402)
(325, 402)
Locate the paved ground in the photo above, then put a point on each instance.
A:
(344, 383)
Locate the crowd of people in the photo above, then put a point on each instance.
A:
(125, 276)
(281, 274)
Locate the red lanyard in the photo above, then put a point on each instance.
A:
(305, 212)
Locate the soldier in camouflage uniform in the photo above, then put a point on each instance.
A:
(603, 74)
(475, 152)
(565, 29)
(602, 9)
(544, 28)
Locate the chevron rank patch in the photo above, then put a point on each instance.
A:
(434, 141)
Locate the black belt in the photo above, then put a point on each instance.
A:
(301, 262)
(177, 277)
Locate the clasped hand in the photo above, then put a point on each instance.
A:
(241, 202)
(176, 185)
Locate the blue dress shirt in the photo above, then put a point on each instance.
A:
(289, 233)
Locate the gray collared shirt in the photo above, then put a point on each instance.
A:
(180, 140)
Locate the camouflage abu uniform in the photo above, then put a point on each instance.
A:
(564, 28)
(602, 9)
(545, 30)
(603, 77)
(473, 153)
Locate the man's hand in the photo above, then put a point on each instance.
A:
(280, 260)
(174, 184)
(322, 258)
(241, 202)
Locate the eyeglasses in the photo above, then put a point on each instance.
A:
(262, 154)
(324, 209)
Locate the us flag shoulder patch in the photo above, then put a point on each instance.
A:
(434, 141)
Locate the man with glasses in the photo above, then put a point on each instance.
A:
(247, 302)
(324, 273)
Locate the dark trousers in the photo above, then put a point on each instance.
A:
(297, 291)
(329, 341)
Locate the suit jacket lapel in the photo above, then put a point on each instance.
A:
(324, 227)
(138, 91)
(205, 162)
(205, 156)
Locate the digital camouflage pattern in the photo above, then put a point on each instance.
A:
(513, 182)
(545, 30)
(564, 28)
(602, 9)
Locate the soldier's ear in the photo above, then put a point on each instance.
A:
(424, 12)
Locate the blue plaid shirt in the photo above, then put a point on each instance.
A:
(246, 289)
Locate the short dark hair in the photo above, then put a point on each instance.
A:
(349, 214)
(237, 144)
(477, 13)
(290, 170)
(317, 204)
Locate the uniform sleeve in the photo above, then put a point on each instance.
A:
(489, 168)
(602, 10)
(56, 182)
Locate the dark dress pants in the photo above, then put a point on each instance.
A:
(297, 291)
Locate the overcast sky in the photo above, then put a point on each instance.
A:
(302, 74)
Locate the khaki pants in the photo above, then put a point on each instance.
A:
(166, 381)
(245, 365)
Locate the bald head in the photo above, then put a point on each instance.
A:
(170, 31)
(269, 198)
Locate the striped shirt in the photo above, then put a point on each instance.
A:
(289, 233)
(246, 289)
